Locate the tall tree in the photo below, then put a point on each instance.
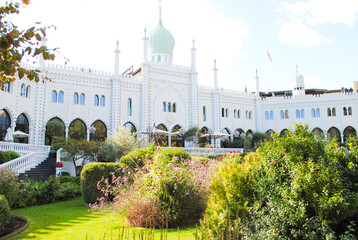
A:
(15, 44)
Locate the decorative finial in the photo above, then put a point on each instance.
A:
(193, 43)
(160, 11)
(145, 32)
(117, 44)
(296, 69)
(256, 73)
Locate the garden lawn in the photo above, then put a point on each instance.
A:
(72, 220)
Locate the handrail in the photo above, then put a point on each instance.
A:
(32, 155)
(58, 155)
(195, 151)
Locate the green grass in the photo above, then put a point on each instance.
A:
(72, 220)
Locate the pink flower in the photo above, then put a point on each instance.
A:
(230, 151)
(151, 162)
(239, 151)
(158, 147)
(152, 188)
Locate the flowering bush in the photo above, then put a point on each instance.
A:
(59, 164)
(167, 192)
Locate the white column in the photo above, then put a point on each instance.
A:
(257, 84)
(145, 46)
(116, 61)
(193, 91)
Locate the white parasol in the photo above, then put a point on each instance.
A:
(8, 136)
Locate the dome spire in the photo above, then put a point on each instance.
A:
(160, 12)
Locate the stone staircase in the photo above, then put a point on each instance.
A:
(41, 172)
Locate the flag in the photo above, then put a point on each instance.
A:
(268, 55)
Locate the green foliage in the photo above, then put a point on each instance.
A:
(237, 143)
(70, 179)
(15, 44)
(118, 145)
(8, 156)
(8, 181)
(137, 158)
(55, 128)
(192, 134)
(91, 174)
(30, 193)
(174, 155)
(76, 151)
(299, 188)
(4, 212)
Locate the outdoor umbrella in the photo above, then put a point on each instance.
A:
(19, 134)
(8, 136)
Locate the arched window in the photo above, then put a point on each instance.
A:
(75, 98)
(22, 124)
(5, 123)
(162, 139)
(5, 87)
(159, 58)
(282, 114)
(130, 127)
(223, 112)
(227, 112)
(174, 107)
(238, 113)
(297, 113)
(271, 115)
(54, 128)
(329, 112)
(250, 115)
(82, 99)
(204, 113)
(28, 88)
(234, 113)
(129, 107)
(176, 140)
(100, 134)
(169, 107)
(60, 97)
(96, 100)
(318, 112)
(313, 113)
(77, 130)
(23, 90)
(267, 116)
(247, 114)
(345, 111)
(54, 96)
(286, 114)
(349, 111)
(333, 111)
(302, 113)
(102, 101)
(164, 106)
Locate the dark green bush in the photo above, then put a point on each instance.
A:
(8, 182)
(8, 156)
(91, 174)
(137, 158)
(4, 212)
(298, 188)
(174, 155)
(70, 179)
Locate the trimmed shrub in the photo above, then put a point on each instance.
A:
(137, 158)
(90, 176)
(70, 179)
(4, 212)
(8, 184)
(8, 156)
(173, 155)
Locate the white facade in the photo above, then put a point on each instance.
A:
(138, 98)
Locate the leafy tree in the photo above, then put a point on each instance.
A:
(79, 152)
(55, 129)
(15, 44)
(118, 145)
(192, 134)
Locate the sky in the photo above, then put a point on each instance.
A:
(319, 36)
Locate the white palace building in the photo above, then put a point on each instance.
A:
(167, 95)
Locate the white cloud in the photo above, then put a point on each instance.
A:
(87, 31)
(297, 34)
(312, 82)
(323, 11)
(306, 17)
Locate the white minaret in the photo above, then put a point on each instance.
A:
(145, 46)
(257, 84)
(193, 92)
(216, 105)
(116, 61)
(298, 84)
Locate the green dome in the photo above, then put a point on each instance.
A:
(161, 41)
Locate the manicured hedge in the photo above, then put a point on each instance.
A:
(4, 212)
(8, 156)
(137, 158)
(173, 155)
(91, 174)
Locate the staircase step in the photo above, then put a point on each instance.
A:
(42, 172)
